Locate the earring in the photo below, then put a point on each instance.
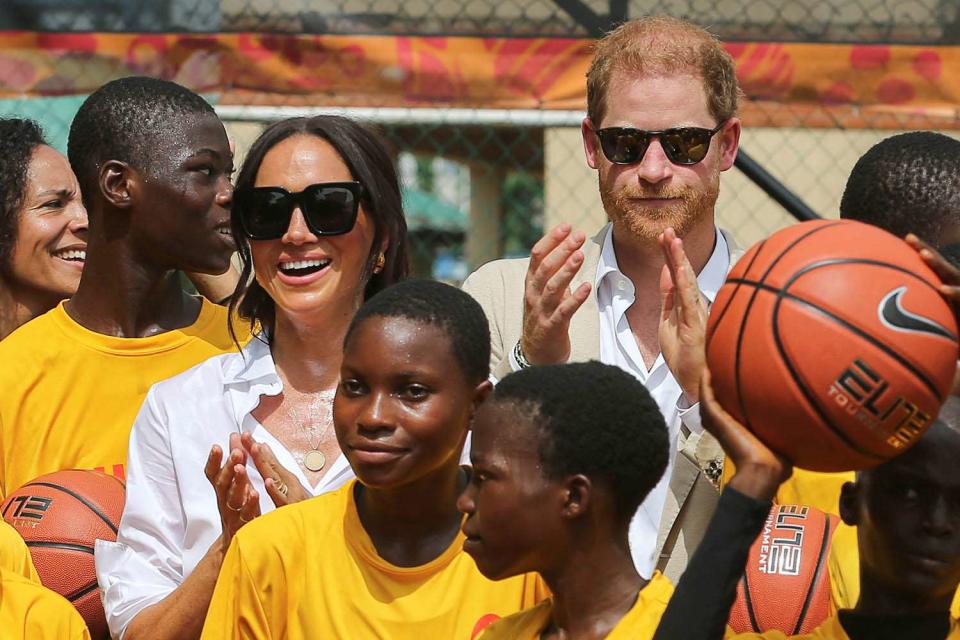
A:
(381, 261)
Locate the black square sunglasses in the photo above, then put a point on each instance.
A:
(329, 208)
(681, 145)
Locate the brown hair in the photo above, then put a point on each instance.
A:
(663, 45)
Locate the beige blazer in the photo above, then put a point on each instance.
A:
(692, 498)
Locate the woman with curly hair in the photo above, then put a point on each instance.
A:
(43, 225)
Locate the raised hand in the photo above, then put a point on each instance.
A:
(683, 317)
(283, 487)
(237, 500)
(946, 270)
(759, 470)
(548, 303)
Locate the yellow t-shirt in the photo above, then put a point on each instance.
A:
(29, 611)
(14, 555)
(640, 623)
(829, 630)
(310, 570)
(810, 488)
(70, 395)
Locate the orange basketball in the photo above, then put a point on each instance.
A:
(831, 342)
(59, 516)
(786, 584)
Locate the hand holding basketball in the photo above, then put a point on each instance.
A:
(548, 303)
(283, 487)
(760, 471)
(683, 317)
(945, 269)
(237, 500)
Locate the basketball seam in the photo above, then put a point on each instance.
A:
(824, 545)
(90, 506)
(723, 313)
(782, 293)
(811, 399)
(68, 546)
(749, 602)
(827, 263)
(82, 592)
(753, 259)
(746, 315)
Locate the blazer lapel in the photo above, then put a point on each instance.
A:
(585, 323)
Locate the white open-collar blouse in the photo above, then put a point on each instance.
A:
(170, 518)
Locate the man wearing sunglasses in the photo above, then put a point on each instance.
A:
(661, 125)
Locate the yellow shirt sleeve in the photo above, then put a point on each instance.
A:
(14, 554)
(29, 611)
(235, 610)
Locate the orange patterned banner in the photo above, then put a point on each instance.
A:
(457, 72)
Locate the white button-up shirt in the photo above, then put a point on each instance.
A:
(171, 519)
(615, 294)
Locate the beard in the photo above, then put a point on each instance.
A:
(624, 208)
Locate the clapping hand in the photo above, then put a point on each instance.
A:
(683, 317)
(237, 500)
(283, 487)
(548, 303)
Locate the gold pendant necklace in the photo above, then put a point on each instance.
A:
(319, 409)
(314, 460)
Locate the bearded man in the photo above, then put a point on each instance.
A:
(661, 125)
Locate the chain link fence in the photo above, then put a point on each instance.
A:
(483, 183)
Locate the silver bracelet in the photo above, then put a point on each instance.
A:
(520, 358)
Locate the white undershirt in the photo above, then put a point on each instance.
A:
(615, 294)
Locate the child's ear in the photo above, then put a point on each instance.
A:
(850, 495)
(577, 495)
(480, 393)
(116, 183)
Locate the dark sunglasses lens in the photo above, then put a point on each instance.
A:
(265, 213)
(330, 210)
(686, 146)
(624, 146)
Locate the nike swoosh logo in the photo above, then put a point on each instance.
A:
(894, 316)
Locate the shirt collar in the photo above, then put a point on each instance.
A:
(255, 364)
(709, 280)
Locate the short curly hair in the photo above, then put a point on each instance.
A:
(123, 120)
(594, 419)
(907, 183)
(440, 305)
(18, 139)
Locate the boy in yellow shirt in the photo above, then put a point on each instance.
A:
(562, 457)
(154, 164)
(907, 514)
(382, 557)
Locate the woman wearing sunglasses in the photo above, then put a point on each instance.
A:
(318, 222)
